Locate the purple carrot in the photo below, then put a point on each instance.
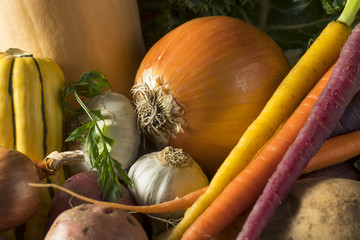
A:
(350, 120)
(331, 104)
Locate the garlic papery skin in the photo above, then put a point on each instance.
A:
(120, 120)
(165, 175)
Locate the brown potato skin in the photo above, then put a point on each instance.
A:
(318, 208)
(93, 222)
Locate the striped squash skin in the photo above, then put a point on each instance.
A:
(32, 119)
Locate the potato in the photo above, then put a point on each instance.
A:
(318, 208)
(93, 222)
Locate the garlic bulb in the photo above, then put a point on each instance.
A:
(165, 175)
(120, 121)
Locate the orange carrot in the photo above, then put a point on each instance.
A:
(335, 150)
(169, 206)
(247, 186)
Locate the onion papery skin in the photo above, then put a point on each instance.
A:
(18, 201)
(220, 71)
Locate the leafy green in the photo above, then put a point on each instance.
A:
(90, 85)
(291, 23)
(357, 164)
(97, 144)
(333, 7)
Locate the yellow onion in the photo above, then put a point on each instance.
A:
(201, 85)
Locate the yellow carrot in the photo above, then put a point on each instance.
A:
(302, 77)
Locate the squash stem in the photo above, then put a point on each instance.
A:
(16, 52)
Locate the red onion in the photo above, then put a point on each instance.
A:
(18, 201)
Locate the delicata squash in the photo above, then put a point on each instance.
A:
(31, 116)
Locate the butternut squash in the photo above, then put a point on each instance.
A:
(79, 36)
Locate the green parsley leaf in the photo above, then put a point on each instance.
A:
(98, 145)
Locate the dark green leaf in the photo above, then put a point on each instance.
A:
(291, 23)
(65, 93)
(107, 185)
(334, 6)
(98, 161)
(122, 173)
(77, 133)
(357, 164)
(97, 115)
(91, 145)
(91, 84)
(109, 141)
(114, 192)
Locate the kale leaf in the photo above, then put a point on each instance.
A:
(291, 23)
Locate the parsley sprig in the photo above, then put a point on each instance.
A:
(98, 145)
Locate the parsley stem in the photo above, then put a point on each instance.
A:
(98, 146)
(89, 114)
(108, 159)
